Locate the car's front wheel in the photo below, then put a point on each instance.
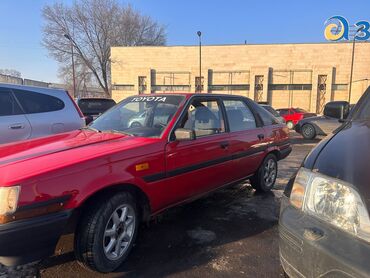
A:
(107, 232)
(308, 131)
(264, 179)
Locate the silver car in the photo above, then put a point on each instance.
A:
(29, 112)
(325, 124)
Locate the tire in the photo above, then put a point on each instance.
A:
(308, 131)
(101, 227)
(264, 181)
(290, 124)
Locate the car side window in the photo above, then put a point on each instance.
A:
(267, 117)
(8, 105)
(240, 117)
(204, 117)
(33, 102)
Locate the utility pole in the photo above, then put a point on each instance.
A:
(352, 62)
(199, 33)
(68, 37)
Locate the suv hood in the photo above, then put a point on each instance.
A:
(346, 156)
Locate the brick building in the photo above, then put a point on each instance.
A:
(285, 75)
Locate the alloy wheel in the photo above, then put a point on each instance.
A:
(270, 172)
(119, 232)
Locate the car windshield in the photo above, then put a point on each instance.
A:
(95, 106)
(145, 116)
(271, 110)
(361, 111)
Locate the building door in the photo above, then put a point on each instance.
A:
(142, 85)
(258, 88)
(321, 93)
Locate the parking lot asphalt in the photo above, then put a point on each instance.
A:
(230, 233)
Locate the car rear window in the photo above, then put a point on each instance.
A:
(300, 110)
(33, 102)
(283, 112)
(95, 106)
(267, 117)
(271, 110)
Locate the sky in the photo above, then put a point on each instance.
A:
(221, 22)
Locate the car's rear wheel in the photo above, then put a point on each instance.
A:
(264, 179)
(290, 124)
(308, 131)
(107, 232)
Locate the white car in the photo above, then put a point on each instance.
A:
(28, 112)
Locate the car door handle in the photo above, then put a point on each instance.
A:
(261, 136)
(224, 145)
(16, 126)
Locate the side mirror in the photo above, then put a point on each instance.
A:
(183, 134)
(88, 119)
(337, 109)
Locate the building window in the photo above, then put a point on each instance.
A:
(142, 84)
(296, 87)
(232, 87)
(171, 88)
(123, 87)
(340, 87)
(199, 84)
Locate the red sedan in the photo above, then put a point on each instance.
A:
(100, 182)
(293, 115)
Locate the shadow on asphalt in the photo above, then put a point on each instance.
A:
(188, 236)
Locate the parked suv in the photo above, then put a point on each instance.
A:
(109, 177)
(94, 107)
(324, 220)
(29, 112)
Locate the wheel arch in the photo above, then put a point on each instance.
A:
(104, 193)
(317, 129)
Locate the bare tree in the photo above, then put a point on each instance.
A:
(91, 28)
(11, 72)
(83, 75)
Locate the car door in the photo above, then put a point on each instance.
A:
(14, 125)
(44, 112)
(203, 164)
(247, 144)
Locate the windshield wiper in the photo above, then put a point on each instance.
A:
(119, 131)
(90, 128)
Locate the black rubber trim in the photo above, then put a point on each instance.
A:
(183, 170)
(61, 199)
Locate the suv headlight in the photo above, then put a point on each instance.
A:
(9, 199)
(332, 200)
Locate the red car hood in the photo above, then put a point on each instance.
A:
(24, 150)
